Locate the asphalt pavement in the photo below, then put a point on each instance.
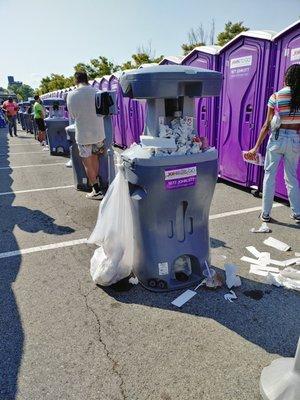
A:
(62, 337)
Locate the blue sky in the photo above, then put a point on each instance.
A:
(42, 36)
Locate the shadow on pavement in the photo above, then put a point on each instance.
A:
(264, 315)
(11, 332)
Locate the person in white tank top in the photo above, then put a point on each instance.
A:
(89, 130)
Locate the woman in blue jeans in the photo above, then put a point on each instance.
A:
(284, 142)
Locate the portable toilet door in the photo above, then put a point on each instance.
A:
(287, 53)
(96, 84)
(206, 109)
(118, 119)
(132, 112)
(246, 66)
(141, 112)
(104, 82)
(171, 60)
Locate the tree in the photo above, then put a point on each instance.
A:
(231, 30)
(22, 91)
(55, 82)
(199, 37)
(144, 55)
(196, 38)
(97, 67)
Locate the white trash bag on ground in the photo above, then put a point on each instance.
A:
(114, 233)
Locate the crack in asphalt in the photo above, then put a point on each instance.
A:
(107, 352)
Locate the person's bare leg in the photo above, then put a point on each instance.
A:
(91, 166)
(95, 162)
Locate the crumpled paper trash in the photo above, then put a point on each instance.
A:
(230, 296)
(262, 229)
(232, 280)
(186, 140)
(288, 278)
(134, 280)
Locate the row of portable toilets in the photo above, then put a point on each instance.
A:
(253, 66)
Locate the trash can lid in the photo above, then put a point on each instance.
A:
(170, 81)
(54, 100)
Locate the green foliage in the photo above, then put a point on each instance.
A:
(231, 30)
(197, 37)
(141, 57)
(97, 67)
(22, 91)
(186, 48)
(55, 82)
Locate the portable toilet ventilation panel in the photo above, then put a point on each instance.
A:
(171, 178)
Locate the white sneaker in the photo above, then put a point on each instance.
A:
(69, 164)
(94, 195)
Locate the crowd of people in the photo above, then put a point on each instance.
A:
(283, 121)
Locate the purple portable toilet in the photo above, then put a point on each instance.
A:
(129, 122)
(118, 119)
(171, 60)
(246, 64)
(287, 52)
(96, 83)
(206, 108)
(104, 82)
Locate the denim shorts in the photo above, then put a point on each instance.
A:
(86, 150)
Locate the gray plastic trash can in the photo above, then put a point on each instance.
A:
(171, 193)
(56, 123)
(80, 178)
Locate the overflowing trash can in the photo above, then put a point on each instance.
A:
(56, 122)
(171, 176)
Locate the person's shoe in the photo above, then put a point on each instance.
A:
(95, 195)
(16, 135)
(69, 164)
(265, 217)
(296, 218)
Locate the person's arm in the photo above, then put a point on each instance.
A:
(263, 132)
(69, 107)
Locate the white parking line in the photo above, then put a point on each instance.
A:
(35, 190)
(42, 248)
(84, 240)
(2, 146)
(32, 165)
(25, 152)
(242, 211)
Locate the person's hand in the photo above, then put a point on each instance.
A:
(252, 152)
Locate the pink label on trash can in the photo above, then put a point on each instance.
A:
(180, 177)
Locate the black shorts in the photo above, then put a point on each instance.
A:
(40, 124)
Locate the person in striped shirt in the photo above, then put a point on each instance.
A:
(284, 143)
